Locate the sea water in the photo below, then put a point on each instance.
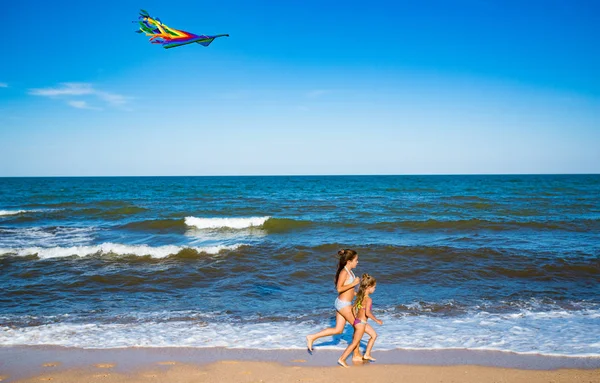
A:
(505, 262)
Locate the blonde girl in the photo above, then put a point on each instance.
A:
(362, 310)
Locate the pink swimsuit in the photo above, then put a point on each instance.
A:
(360, 321)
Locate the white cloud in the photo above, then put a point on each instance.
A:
(66, 89)
(3, 85)
(80, 89)
(79, 104)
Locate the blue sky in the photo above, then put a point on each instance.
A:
(311, 87)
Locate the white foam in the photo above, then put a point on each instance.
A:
(46, 237)
(16, 212)
(572, 334)
(232, 223)
(112, 248)
(13, 212)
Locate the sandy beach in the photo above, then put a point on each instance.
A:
(179, 365)
(235, 371)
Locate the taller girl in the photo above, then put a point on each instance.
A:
(345, 280)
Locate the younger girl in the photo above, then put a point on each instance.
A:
(362, 310)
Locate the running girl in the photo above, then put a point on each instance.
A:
(362, 310)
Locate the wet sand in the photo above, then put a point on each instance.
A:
(70, 365)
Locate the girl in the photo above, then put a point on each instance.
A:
(345, 280)
(362, 310)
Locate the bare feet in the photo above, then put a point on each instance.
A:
(357, 358)
(369, 357)
(342, 363)
(309, 342)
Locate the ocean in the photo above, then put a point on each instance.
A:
(498, 262)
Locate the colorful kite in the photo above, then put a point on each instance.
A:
(169, 37)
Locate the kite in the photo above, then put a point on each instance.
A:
(169, 37)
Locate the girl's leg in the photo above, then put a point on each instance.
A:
(359, 331)
(373, 336)
(340, 322)
(341, 317)
(349, 316)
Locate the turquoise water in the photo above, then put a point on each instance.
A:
(480, 262)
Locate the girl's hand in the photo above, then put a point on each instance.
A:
(379, 322)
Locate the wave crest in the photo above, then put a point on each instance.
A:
(15, 212)
(116, 249)
(221, 223)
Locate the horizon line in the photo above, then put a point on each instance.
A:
(310, 175)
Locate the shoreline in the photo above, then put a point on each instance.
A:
(25, 362)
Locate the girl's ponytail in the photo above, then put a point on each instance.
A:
(345, 256)
(366, 281)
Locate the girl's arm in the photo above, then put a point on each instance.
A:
(342, 279)
(368, 302)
